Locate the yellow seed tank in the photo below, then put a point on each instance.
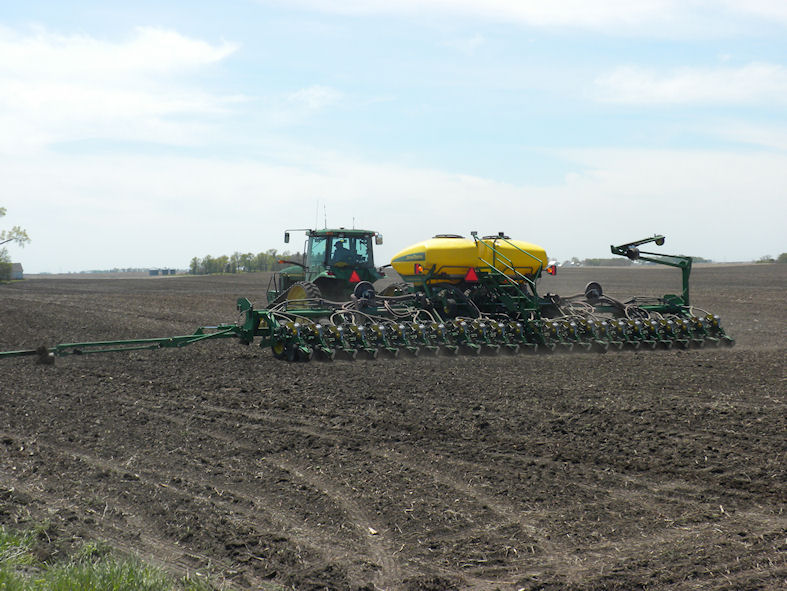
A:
(448, 257)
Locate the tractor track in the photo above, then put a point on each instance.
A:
(155, 477)
(67, 506)
(238, 503)
(629, 489)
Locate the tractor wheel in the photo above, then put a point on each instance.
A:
(279, 350)
(301, 355)
(449, 308)
(303, 290)
(364, 291)
(593, 291)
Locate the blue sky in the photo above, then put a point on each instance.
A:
(143, 134)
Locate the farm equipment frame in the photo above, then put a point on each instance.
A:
(493, 308)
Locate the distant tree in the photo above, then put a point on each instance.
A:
(782, 258)
(247, 262)
(222, 264)
(234, 263)
(15, 234)
(266, 261)
(208, 265)
(260, 261)
(766, 259)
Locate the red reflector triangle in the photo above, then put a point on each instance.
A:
(418, 269)
(471, 276)
(354, 278)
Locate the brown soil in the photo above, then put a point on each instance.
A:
(629, 470)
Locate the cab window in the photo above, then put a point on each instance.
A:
(317, 249)
(351, 250)
(361, 250)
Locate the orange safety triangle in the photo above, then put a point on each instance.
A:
(471, 276)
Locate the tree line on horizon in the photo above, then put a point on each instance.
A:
(239, 262)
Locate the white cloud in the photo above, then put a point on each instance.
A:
(755, 83)
(623, 17)
(64, 88)
(532, 12)
(769, 10)
(149, 51)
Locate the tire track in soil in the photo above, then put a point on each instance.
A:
(379, 547)
(376, 539)
(632, 490)
(154, 549)
(428, 467)
(100, 465)
(404, 458)
(382, 552)
(569, 562)
(195, 418)
(558, 556)
(644, 492)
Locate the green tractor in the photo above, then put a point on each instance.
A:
(337, 263)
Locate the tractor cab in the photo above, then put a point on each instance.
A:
(334, 263)
(336, 250)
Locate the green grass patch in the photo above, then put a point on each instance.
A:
(93, 568)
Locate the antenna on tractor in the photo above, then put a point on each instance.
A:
(325, 215)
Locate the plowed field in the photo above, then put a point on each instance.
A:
(625, 470)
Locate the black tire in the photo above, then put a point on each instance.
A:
(593, 291)
(303, 290)
(279, 350)
(303, 356)
(364, 291)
